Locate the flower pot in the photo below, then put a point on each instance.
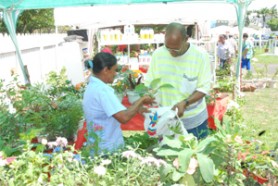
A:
(266, 50)
(120, 96)
(132, 96)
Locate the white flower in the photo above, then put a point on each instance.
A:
(52, 144)
(162, 162)
(62, 142)
(44, 141)
(232, 105)
(274, 164)
(3, 163)
(193, 164)
(130, 154)
(238, 139)
(151, 160)
(100, 170)
(105, 162)
(228, 138)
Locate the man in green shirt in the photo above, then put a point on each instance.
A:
(187, 68)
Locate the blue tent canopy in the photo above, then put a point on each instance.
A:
(12, 9)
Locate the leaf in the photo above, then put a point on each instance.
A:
(204, 143)
(187, 180)
(184, 158)
(177, 175)
(141, 89)
(155, 83)
(167, 152)
(174, 143)
(167, 85)
(206, 167)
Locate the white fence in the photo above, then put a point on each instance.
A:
(41, 54)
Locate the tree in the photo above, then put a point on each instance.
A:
(264, 12)
(273, 24)
(41, 20)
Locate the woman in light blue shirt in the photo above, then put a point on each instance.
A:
(104, 113)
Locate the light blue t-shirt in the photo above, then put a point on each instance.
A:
(99, 105)
(248, 45)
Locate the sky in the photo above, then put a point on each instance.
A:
(258, 4)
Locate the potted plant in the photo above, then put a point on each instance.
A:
(266, 50)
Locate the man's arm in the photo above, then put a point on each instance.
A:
(203, 86)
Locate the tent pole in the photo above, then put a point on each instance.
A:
(241, 8)
(10, 18)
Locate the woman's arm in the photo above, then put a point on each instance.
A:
(125, 115)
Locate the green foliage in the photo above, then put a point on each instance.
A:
(155, 85)
(184, 148)
(54, 109)
(273, 24)
(40, 20)
(121, 168)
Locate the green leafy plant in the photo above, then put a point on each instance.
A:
(155, 85)
(183, 150)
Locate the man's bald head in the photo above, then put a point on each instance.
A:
(174, 29)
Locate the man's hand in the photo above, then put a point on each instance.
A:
(181, 108)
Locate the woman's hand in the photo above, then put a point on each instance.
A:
(181, 108)
(143, 110)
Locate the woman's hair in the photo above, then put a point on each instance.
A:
(102, 60)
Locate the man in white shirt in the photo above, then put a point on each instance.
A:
(223, 51)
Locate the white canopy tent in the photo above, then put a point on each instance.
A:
(12, 9)
(185, 12)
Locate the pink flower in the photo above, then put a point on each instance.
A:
(193, 164)
(9, 160)
(176, 163)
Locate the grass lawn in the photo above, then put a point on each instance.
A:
(264, 57)
(260, 112)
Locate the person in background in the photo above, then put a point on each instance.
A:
(187, 68)
(247, 52)
(223, 51)
(234, 46)
(103, 111)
